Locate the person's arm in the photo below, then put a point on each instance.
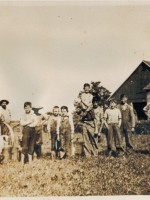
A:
(1, 116)
(49, 125)
(71, 123)
(105, 119)
(132, 119)
(119, 118)
(101, 121)
(58, 128)
(96, 126)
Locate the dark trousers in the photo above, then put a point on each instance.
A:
(128, 135)
(90, 145)
(53, 141)
(65, 139)
(28, 140)
(4, 129)
(38, 150)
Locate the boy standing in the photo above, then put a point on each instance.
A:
(53, 129)
(66, 132)
(112, 117)
(99, 114)
(28, 121)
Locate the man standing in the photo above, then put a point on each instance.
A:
(128, 120)
(28, 121)
(89, 127)
(5, 116)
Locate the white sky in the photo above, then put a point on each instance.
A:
(47, 53)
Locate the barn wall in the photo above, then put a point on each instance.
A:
(133, 86)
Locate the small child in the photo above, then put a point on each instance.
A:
(86, 97)
(66, 132)
(53, 129)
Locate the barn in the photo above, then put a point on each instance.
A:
(135, 87)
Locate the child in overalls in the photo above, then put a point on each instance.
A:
(65, 133)
(53, 129)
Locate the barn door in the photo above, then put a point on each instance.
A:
(138, 106)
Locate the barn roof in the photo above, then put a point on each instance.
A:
(147, 63)
(147, 87)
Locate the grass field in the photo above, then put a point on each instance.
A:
(124, 175)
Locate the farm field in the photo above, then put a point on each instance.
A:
(124, 175)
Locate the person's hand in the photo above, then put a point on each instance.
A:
(95, 135)
(133, 129)
(1, 120)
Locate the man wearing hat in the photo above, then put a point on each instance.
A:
(128, 120)
(5, 116)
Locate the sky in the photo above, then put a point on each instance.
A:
(47, 52)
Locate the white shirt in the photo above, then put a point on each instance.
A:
(86, 99)
(3, 143)
(28, 118)
(51, 119)
(5, 115)
(112, 115)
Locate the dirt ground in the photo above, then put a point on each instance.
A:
(78, 176)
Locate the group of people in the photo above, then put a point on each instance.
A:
(60, 128)
(89, 117)
(119, 119)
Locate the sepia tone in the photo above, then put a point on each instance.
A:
(80, 60)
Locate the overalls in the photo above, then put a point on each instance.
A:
(65, 135)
